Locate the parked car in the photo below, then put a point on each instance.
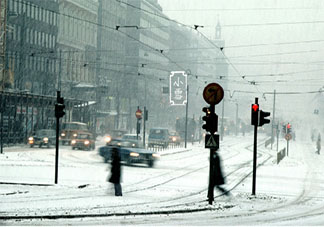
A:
(70, 131)
(43, 137)
(84, 141)
(159, 137)
(175, 138)
(130, 152)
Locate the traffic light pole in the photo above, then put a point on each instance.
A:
(57, 139)
(255, 154)
(186, 126)
(211, 172)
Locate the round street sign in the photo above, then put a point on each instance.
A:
(213, 93)
(138, 114)
(288, 136)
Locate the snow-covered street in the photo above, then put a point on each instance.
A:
(173, 192)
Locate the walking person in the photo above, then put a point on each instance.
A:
(116, 171)
(218, 174)
(318, 143)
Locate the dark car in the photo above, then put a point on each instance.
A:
(83, 141)
(159, 137)
(130, 152)
(43, 137)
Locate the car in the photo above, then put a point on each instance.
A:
(131, 137)
(159, 137)
(175, 138)
(115, 134)
(43, 137)
(130, 152)
(70, 131)
(84, 141)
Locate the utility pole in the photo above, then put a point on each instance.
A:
(222, 125)
(273, 119)
(236, 128)
(186, 124)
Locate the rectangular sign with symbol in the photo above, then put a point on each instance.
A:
(178, 88)
(212, 141)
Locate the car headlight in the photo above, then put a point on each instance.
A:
(155, 155)
(73, 142)
(134, 154)
(62, 134)
(75, 135)
(107, 139)
(45, 139)
(31, 140)
(174, 139)
(87, 142)
(133, 145)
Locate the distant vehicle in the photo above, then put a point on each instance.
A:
(70, 131)
(115, 134)
(83, 141)
(131, 137)
(175, 138)
(130, 152)
(43, 137)
(192, 132)
(159, 137)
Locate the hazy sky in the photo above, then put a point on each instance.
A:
(291, 33)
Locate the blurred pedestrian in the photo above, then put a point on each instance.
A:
(218, 174)
(116, 171)
(318, 143)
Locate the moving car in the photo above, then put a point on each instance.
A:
(130, 152)
(159, 137)
(131, 137)
(115, 134)
(175, 138)
(83, 141)
(70, 131)
(43, 137)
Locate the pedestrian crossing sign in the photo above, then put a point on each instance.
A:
(212, 141)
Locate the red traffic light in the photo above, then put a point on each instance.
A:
(255, 107)
(288, 126)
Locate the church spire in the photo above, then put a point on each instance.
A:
(218, 33)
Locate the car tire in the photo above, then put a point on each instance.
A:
(150, 163)
(31, 146)
(40, 145)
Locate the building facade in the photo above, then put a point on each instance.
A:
(31, 46)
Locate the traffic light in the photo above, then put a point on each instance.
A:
(211, 120)
(263, 119)
(255, 114)
(59, 108)
(288, 128)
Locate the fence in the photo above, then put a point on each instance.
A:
(22, 114)
(281, 154)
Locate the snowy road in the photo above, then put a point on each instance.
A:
(173, 192)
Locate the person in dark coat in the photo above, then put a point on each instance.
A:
(218, 174)
(116, 171)
(318, 143)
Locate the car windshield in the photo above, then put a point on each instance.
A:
(45, 132)
(83, 136)
(131, 137)
(157, 133)
(75, 126)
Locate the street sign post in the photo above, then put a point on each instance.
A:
(212, 141)
(178, 88)
(138, 114)
(212, 94)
